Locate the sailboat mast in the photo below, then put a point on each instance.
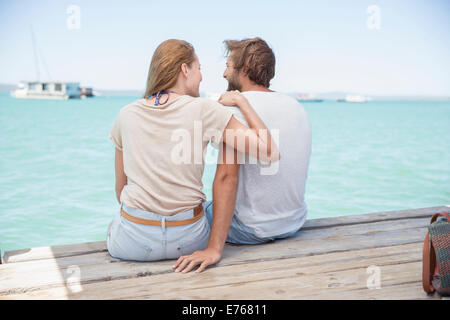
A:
(36, 58)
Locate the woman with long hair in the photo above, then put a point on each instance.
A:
(160, 142)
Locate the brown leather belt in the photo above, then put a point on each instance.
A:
(198, 213)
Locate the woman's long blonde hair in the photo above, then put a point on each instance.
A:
(166, 64)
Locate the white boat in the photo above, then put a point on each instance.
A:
(47, 90)
(88, 92)
(306, 97)
(354, 98)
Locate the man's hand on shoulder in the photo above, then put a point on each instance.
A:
(203, 258)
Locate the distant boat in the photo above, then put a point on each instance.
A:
(304, 97)
(88, 92)
(354, 98)
(49, 89)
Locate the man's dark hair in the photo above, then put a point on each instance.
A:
(253, 57)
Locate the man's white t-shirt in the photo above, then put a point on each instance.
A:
(270, 199)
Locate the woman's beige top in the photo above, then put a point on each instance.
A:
(164, 149)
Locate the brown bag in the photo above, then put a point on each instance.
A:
(436, 261)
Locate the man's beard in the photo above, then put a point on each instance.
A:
(233, 84)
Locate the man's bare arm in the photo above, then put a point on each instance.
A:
(224, 197)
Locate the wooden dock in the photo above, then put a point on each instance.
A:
(332, 258)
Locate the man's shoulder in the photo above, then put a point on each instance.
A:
(266, 102)
(272, 96)
(237, 113)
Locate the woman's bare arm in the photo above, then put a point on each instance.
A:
(121, 178)
(256, 140)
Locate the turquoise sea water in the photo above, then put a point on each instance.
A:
(57, 164)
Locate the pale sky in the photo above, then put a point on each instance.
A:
(320, 46)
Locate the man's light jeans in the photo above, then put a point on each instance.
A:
(241, 234)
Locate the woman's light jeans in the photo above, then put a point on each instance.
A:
(128, 240)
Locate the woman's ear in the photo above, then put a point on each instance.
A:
(184, 70)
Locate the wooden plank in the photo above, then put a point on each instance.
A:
(48, 271)
(232, 275)
(53, 251)
(320, 260)
(35, 274)
(91, 247)
(375, 217)
(404, 291)
(416, 226)
(96, 267)
(277, 249)
(297, 286)
(309, 289)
